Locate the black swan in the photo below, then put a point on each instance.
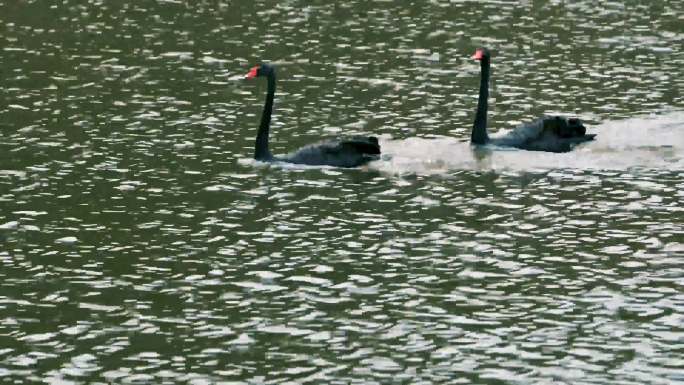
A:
(352, 152)
(549, 133)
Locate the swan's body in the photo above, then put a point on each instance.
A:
(351, 152)
(343, 153)
(549, 133)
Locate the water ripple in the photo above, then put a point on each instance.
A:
(140, 243)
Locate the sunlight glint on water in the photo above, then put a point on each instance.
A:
(140, 243)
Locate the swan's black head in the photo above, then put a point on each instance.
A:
(260, 70)
(481, 54)
(565, 127)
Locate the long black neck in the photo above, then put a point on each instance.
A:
(261, 151)
(479, 134)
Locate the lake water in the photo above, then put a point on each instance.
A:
(140, 243)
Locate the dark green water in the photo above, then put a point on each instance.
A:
(139, 243)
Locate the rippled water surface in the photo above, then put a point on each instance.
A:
(139, 243)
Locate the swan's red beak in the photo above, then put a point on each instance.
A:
(252, 73)
(478, 55)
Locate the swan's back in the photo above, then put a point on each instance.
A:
(548, 133)
(352, 152)
(527, 132)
